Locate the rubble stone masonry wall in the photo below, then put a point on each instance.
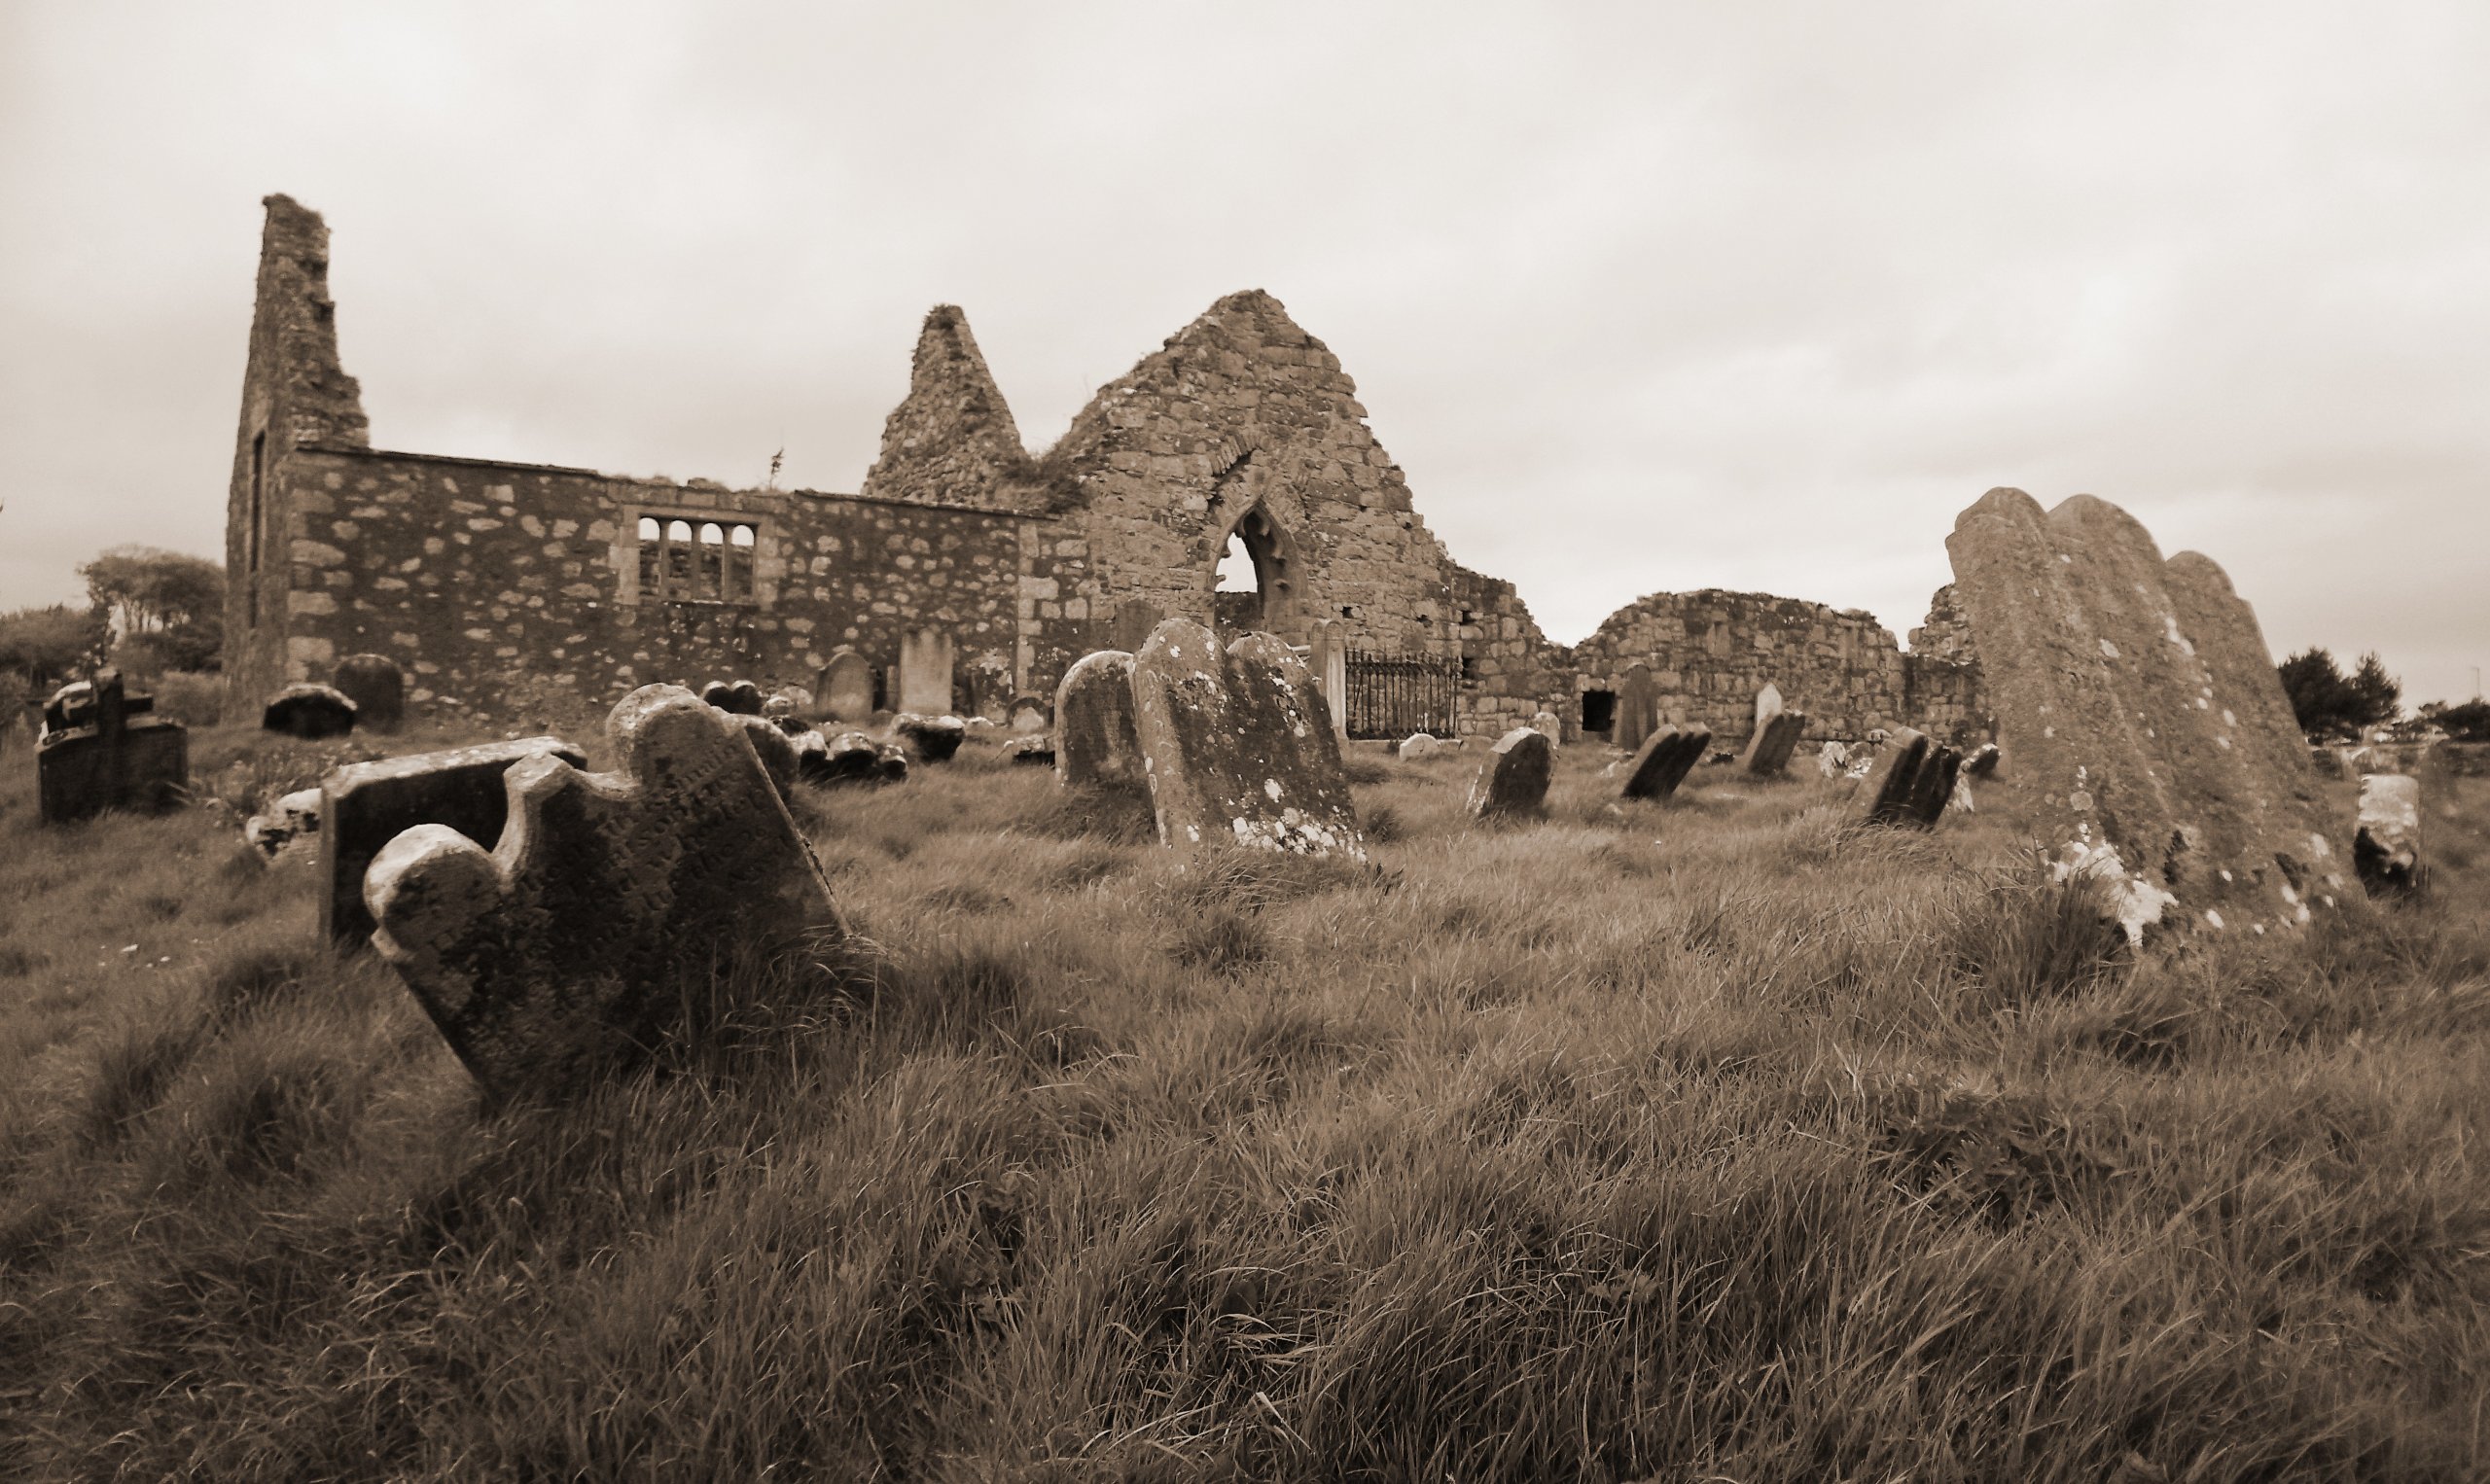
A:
(1710, 652)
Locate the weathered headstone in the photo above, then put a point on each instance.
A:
(1237, 748)
(1096, 745)
(609, 902)
(1331, 662)
(1513, 780)
(933, 739)
(1027, 715)
(113, 756)
(777, 707)
(1550, 725)
(1418, 746)
(924, 673)
(1638, 709)
(1663, 762)
(1910, 783)
(288, 829)
(2386, 844)
(741, 697)
(848, 686)
(376, 687)
(1136, 619)
(775, 749)
(1832, 759)
(1776, 736)
(1767, 704)
(365, 806)
(1983, 761)
(309, 710)
(2143, 708)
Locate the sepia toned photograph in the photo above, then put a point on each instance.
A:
(1625, 743)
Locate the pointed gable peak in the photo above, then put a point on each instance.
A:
(952, 439)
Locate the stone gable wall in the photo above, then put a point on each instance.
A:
(952, 440)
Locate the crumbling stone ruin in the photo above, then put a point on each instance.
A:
(965, 571)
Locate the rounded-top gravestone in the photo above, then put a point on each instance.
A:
(376, 687)
(309, 710)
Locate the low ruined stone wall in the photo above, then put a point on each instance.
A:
(1510, 670)
(1710, 652)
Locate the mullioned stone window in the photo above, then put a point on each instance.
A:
(684, 561)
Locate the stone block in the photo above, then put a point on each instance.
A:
(309, 710)
(365, 806)
(2143, 708)
(376, 687)
(1911, 782)
(109, 758)
(1096, 743)
(932, 738)
(1512, 782)
(609, 902)
(1776, 736)
(2386, 843)
(1663, 762)
(1237, 748)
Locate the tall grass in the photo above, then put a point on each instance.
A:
(1708, 1139)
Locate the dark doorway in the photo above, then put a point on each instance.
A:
(1599, 710)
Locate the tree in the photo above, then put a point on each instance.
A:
(2467, 722)
(43, 648)
(2376, 696)
(166, 610)
(2328, 702)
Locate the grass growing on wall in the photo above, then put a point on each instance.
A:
(1702, 1139)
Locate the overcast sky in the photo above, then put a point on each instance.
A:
(1642, 296)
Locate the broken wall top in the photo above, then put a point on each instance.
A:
(295, 376)
(2135, 702)
(951, 440)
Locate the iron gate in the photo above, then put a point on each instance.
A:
(1392, 695)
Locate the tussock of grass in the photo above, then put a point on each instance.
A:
(1710, 1139)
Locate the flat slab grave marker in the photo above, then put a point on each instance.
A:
(111, 754)
(1512, 782)
(1097, 744)
(2142, 709)
(1911, 782)
(609, 901)
(1663, 762)
(1237, 746)
(365, 806)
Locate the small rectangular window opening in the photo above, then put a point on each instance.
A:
(712, 562)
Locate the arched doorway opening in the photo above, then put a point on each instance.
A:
(1252, 580)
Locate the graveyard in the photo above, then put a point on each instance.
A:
(1681, 1119)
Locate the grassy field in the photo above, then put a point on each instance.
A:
(1710, 1139)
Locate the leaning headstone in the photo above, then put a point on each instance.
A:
(1549, 725)
(1417, 746)
(1638, 709)
(376, 687)
(2386, 844)
(1238, 747)
(739, 697)
(848, 686)
(1027, 715)
(309, 710)
(1776, 736)
(365, 806)
(1983, 761)
(606, 907)
(2143, 710)
(1663, 762)
(1911, 782)
(1513, 780)
(932, 738)
(1096, 745)
(114, 756)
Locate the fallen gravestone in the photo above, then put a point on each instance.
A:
(739, 697)
(1983, 761)
(933, 739)
(1666, 757)
(609, 903)
(1512, 782)
(111, 754)
(365, 806)
(1638, 710)
(376, 687)
(2144, 713)
(2386, 844)
(1096, 745)
(1767, 752)
(288, 830)
(309, 710)
(1237, 746)
(1910, 783)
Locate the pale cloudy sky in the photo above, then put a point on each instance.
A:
(1643, 297)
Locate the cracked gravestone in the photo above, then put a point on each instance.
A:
(1911, 782)
(610, 902)
(376, 687)
(1663, 762)
(365, 806)
(109, 754)
(1512, 782)
(1096, 744)
(309, 710)
(2142, 709)
(1237, 746)
(1767, 752)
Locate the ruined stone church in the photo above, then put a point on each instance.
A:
(964, 570)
